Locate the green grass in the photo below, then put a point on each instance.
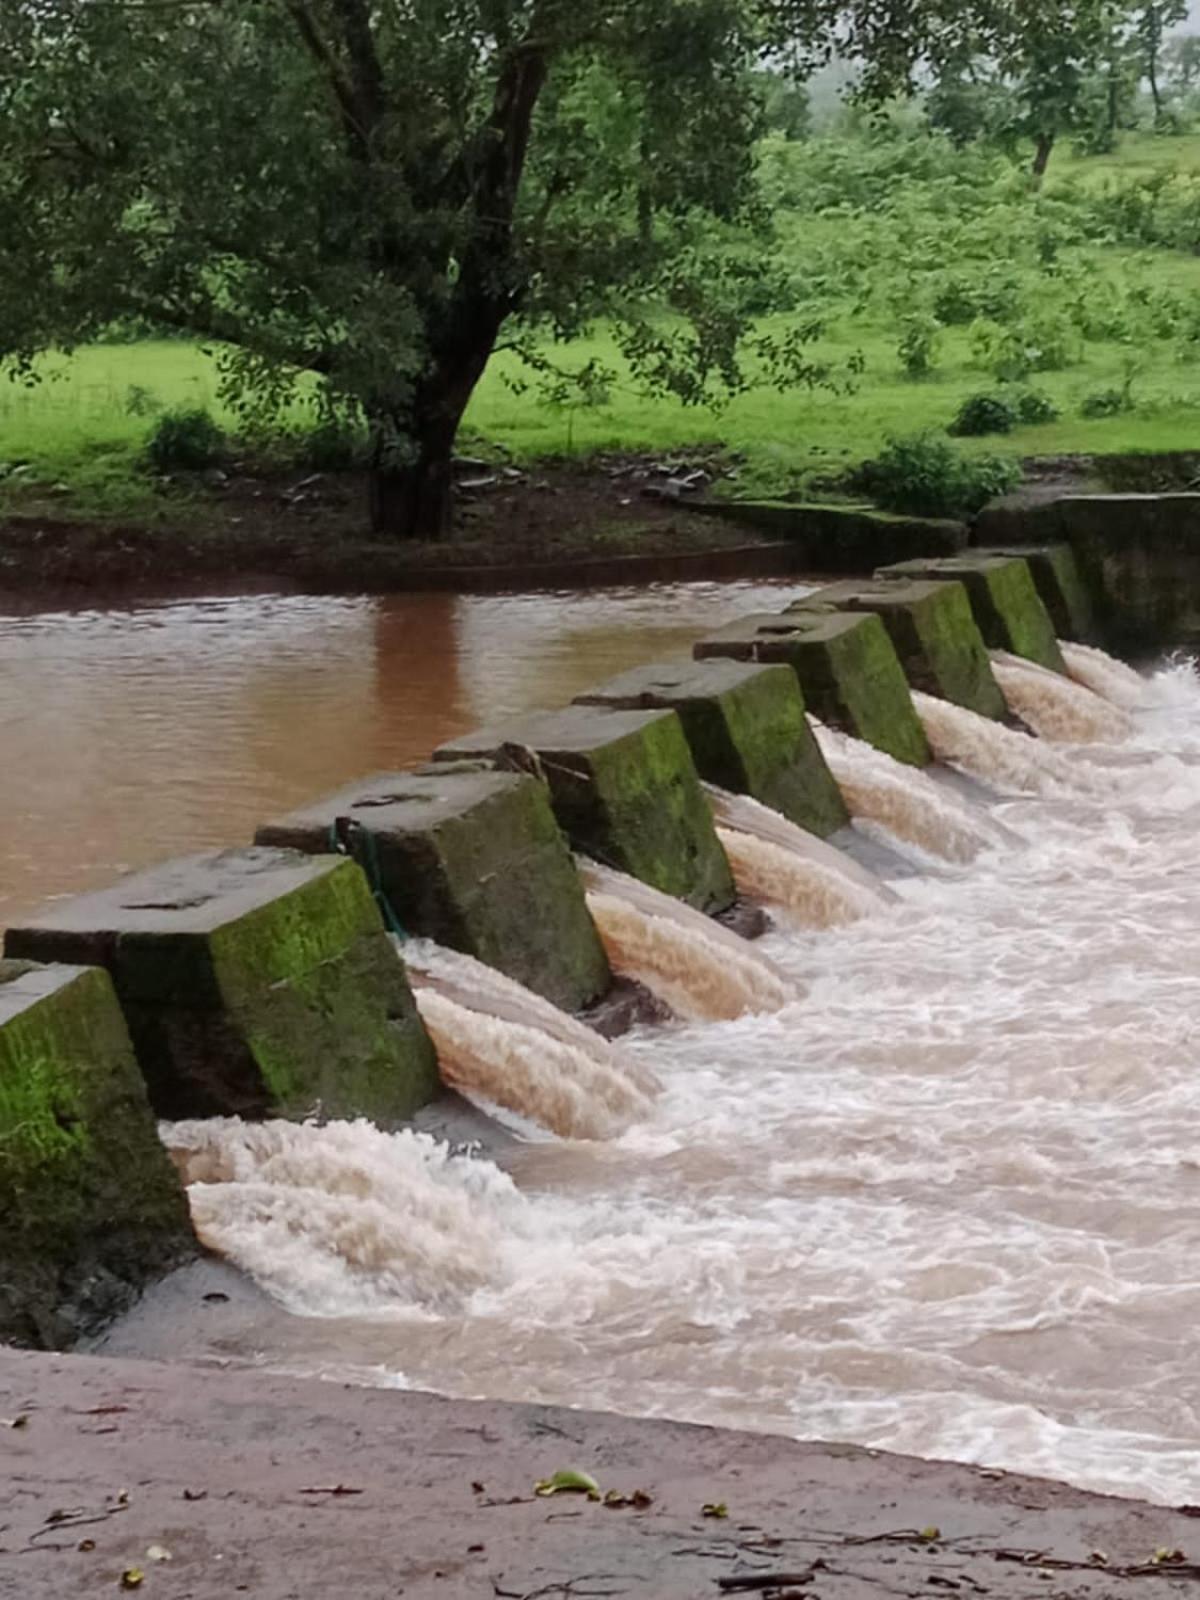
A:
(81, 429)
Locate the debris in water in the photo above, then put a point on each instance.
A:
(571, 1480)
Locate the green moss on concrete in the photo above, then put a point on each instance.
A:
(1061, 584)
(474, 860)
(746, 727)
(842, 538)
(1008, 609)
(934, 634)
(848, 670)
(254, 983)
(314, 984)
(624, 789)
(90, 1206)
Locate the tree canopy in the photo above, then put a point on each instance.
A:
(363, 199)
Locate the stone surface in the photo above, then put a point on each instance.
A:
(1065, 593)
(1008, 609)
(841, 538)
(747, 730)
(90, 1206)
(624, 789)
(473, 859)
(254, 982)
(237, 1474)
(933, 631)
(848, 671)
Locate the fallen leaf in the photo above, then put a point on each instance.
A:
(478, 1488)
(16, 1422)
(333, 1488)
(715, 1508)
(123, 1497)
(195, 1494)
(929, 1535)
(639, 1499)
(571, 1480)
(85, 1545)
(132, 1578)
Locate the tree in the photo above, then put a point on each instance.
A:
(1182, 58)
(360, 201)
(1151, 23)
(354, 199)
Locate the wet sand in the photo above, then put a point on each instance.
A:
(288, 1490)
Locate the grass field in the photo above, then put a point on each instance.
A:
(83, 428)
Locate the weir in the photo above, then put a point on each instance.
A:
(747, 730)
(1008, 610)
(847, 668)
(1055, 707)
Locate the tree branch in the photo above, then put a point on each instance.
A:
(358, 135)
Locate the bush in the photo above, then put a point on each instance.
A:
(185, 440)
(925, 476)
(1106, 403)
(918, 344)
(983, 414)
(335, 445)
(1033, 406)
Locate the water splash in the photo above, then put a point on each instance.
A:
(1056, 707)
(1104, 675)
(701, 970)
(1005, 758)
(344, 1220)
(499, 1042)
(774, 861)
(906, 804)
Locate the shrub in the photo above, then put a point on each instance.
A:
(983, 414)
(925, 475)
(185, 440)
(1034, 406)
(1106, 403)
(918, 344)
(335, 445)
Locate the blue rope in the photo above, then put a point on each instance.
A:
(367, 857)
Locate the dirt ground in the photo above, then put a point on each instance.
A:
(186, 1483)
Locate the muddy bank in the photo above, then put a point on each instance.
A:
(259, 1484)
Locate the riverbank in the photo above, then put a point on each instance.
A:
(211, 1483)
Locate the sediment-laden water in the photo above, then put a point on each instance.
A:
(946, 1201)
(924, 1175)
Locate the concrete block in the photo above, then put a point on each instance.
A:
(473, 859)
(1065, 593)
(625, 790)
(848, 671)
(254, 983)
(1008, 609)
(933, 631)
(91, 1209)
(747, 730)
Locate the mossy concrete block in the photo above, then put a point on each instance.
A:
(842, 538)
(473, 859)
(91, 1209)
(848, 670)
(254, 982)
(625, 790)
(933, 631)
(747, 730)
(1065, 593)
(1008, 609)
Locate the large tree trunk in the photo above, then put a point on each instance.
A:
(1041, 155)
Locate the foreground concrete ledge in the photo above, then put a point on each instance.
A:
(625, 790)
(933, 631)
(254, 982)
(848, 670)
(747, 730)
(91, 1209)
(473, 859)
(1008, 609)
(294, 1490)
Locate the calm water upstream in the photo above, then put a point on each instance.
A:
(129, 735)
(946, 1201)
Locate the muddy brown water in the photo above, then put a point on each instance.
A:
(128, 734)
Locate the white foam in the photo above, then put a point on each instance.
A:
(1056, 707)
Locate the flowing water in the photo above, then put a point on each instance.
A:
(931, 1181)
(504, 1047)
(699, 969)
(1056, 707)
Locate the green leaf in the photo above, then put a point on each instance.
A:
(571, 1480)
